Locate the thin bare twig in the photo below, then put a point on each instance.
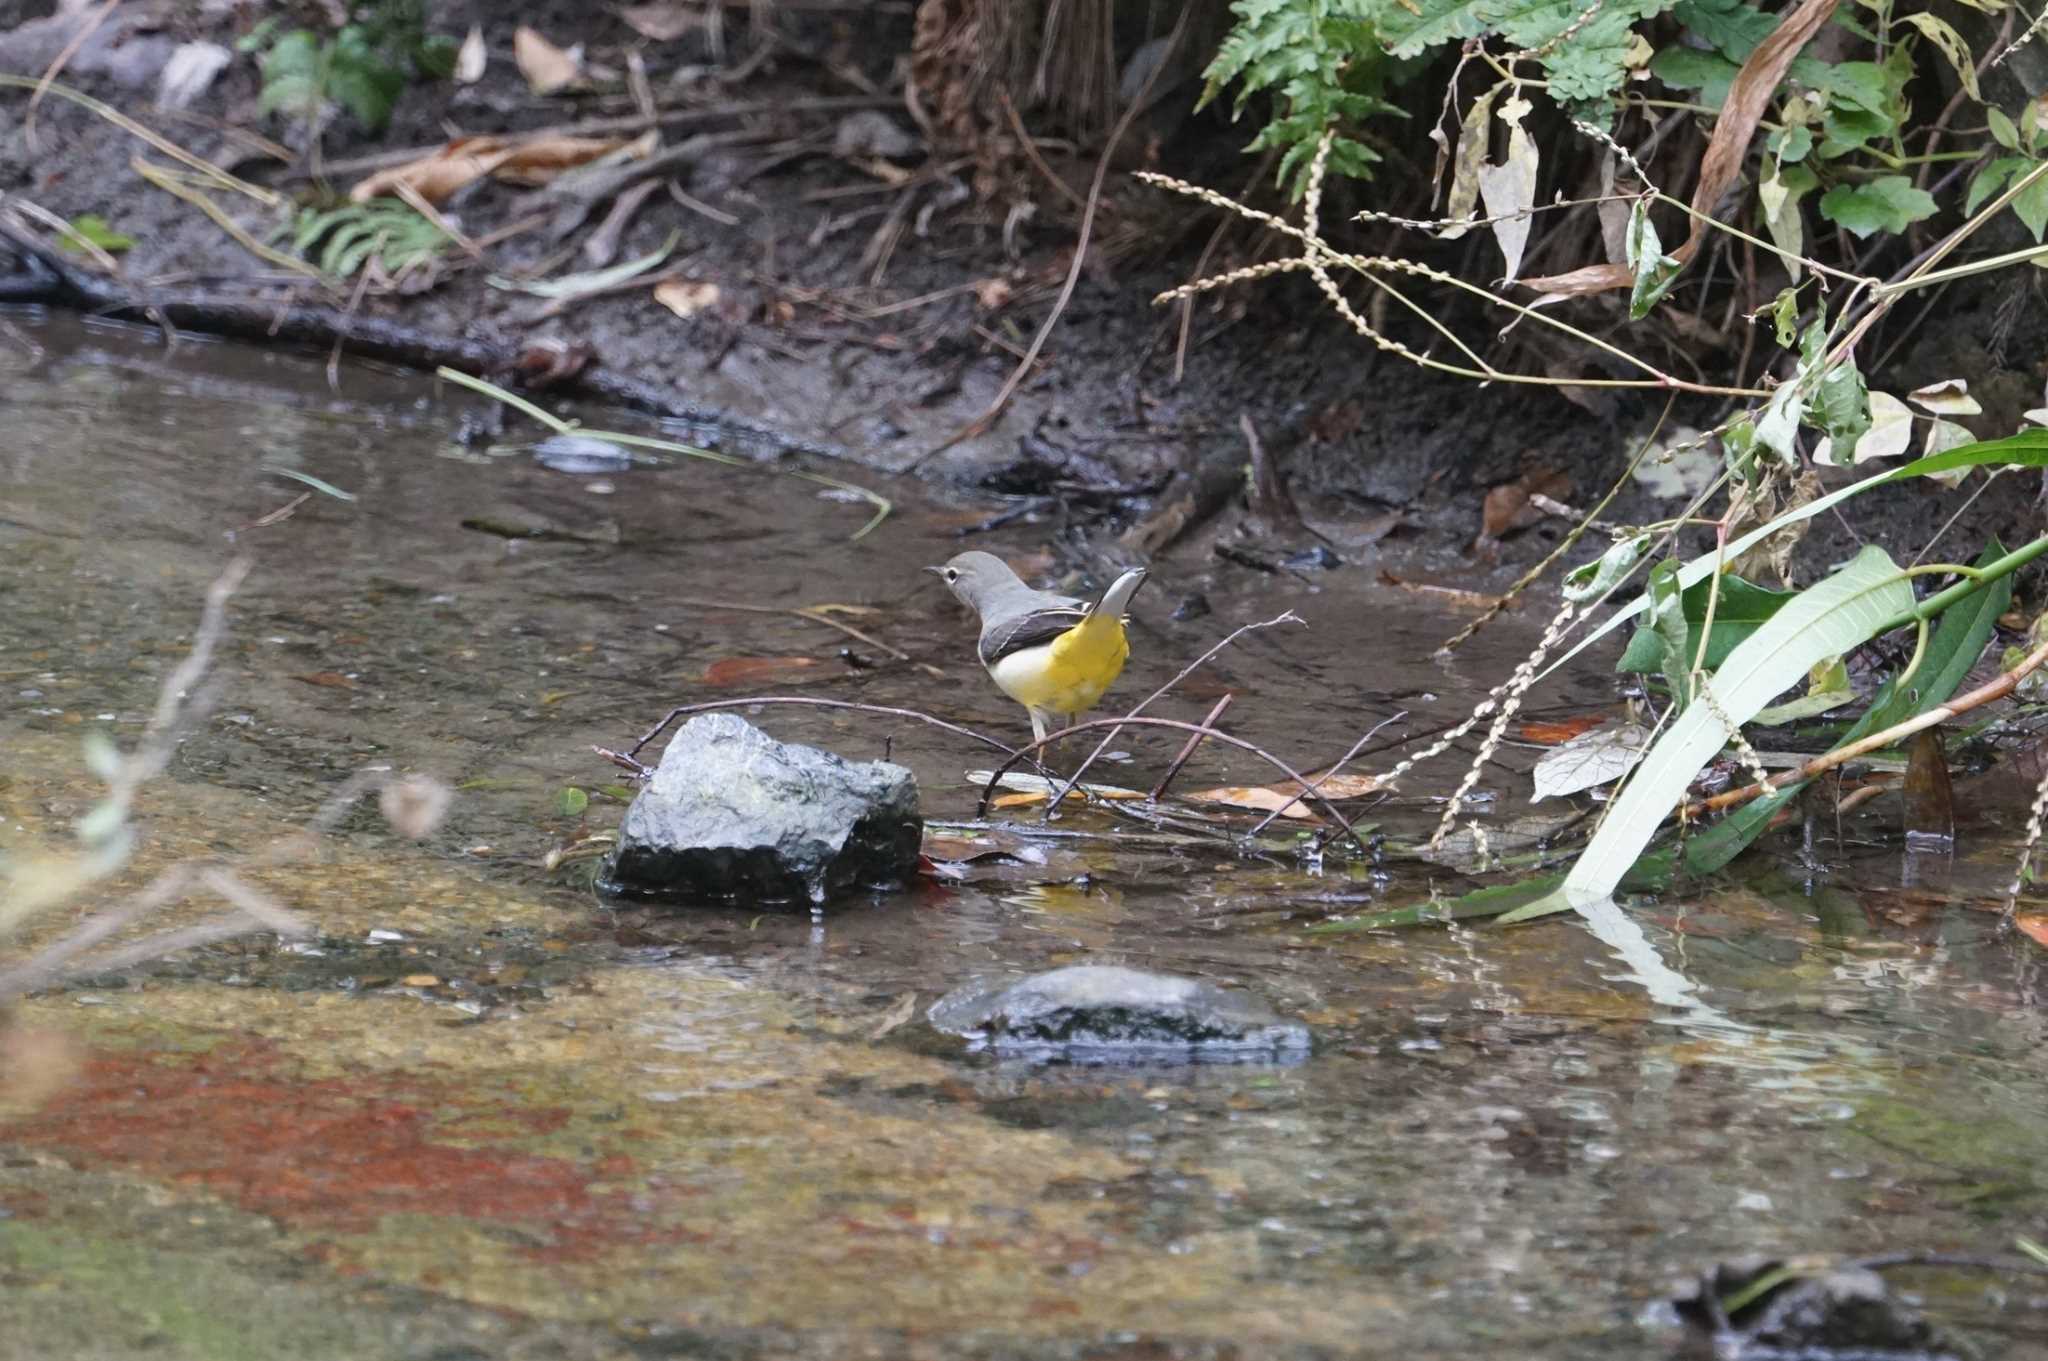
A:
(1187, 749)
(1331, 773)
(1315, 801)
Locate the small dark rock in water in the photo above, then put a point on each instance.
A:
(1315, 556)
(582, 454)
(1195, 606)
(1847, 1314)
(734, 814)
(1102, 1013)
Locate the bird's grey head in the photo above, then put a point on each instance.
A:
(977, 578)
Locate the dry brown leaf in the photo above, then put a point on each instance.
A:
(990, 294)
(1507, 507)
(34, 1066)
(685, 297)
(1748, 95)
(756, 670)
(1268, 798)
(436, 178)
(2034, 925)
(1471, 600)
(661, 23)
(547, 68)
(469, 62)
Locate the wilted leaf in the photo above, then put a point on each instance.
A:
(1473, 137)
(1651, 271)
(1780, 193)
(1509, 189)
(2034, 926)
(662, 23)
(469, 62)
(1827, 687)
(1952, 46)
(756, 670)
(1950, 397)
(1890, 432)
(547, 68)
(685, 297)
(1589, 760)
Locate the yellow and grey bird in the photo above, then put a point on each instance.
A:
(1053, 654)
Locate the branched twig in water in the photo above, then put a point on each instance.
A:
(1284, 617)
(1330, 774)
(1321, 805)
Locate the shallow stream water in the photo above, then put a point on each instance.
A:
(486, 1113)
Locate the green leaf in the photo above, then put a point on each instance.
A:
(571, 802)
(2030, 205)
(1743, 608)
(1952, 650)
(2002, 130)
(1991, 179)
(1842, 405)
(1846, 129)
(1655, 272)
(1838, 613)
(1732, 27)
(1888, 203)
(1792, 144)
(435, 56)
(90, 229)
(1688, 68)
(2028, 449)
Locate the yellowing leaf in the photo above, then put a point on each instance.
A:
(1952, 46)
(1473, 137)
(1950, 397)
(547, 68)
(685, 297)
(1269, 798)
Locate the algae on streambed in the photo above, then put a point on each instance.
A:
(484, 1109)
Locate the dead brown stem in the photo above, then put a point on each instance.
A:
(1996, 688)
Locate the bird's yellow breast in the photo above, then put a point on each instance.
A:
(1070, 673)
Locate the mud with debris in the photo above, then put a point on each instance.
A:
(847, 290)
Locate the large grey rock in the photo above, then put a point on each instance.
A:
(1105, 1013)
(733, 814)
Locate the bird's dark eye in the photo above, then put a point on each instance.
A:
(952, 575)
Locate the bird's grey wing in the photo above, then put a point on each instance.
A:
(1027, 630)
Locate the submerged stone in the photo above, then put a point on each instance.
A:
(1846, 1314)
(731, 813)
(1106, 1013)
